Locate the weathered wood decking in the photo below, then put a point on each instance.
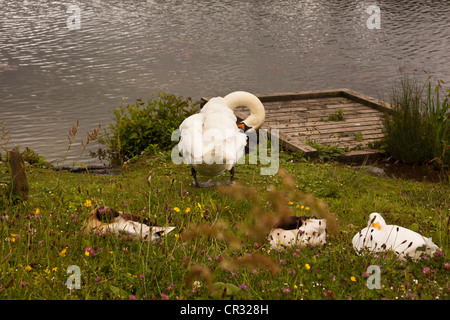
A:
(303, 116)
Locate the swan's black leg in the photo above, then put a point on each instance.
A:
(194, 174)
(232, 174)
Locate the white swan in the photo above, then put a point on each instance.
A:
(106, 219)
(211, 141)
(378, 237)
(298, 232)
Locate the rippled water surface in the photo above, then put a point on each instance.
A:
(51, 76)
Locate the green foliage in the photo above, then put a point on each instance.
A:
(141, 127)
(418, 130)
(35, 159)
(337, 116)
(326, 152)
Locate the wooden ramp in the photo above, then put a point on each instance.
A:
(304, 116)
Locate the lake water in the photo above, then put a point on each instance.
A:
(53, 73)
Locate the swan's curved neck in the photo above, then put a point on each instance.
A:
(246, 99)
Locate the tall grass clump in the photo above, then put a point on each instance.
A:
(144, 127)
(418, 129)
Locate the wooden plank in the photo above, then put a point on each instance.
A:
(336, 128)
(297, 145)
(359, 155)
(350, 139)
(315, 120)
(304, 115)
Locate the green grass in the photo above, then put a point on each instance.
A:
(37, 248)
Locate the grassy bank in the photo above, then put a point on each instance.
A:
(41, 238)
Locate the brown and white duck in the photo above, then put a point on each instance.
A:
(106, 219)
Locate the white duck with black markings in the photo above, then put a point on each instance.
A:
(379, 237)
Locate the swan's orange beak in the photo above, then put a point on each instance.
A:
(241, 126)
(376, 225)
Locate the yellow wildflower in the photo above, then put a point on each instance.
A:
(306, 208)
(47, 271)
(86, 253)
(28, 268)
(176, 209)
(295, 287)
(88, 203)
(307, 266)
(188, 210)
(201, 209)
(37, 211)
(302, 207)
(353, 278)
(176, 235)
(63, 252)
(55, 269)
(290, 203)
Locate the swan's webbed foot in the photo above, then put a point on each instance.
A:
(198, 184)
(208, 184)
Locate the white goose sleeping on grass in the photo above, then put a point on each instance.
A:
(106, 220)
(380, 237)
(211, 142)
(298, 232)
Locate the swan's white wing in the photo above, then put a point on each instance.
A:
(221, 137)
(191, 139)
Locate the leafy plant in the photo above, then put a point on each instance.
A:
(417, 131)
(34, 159)
(337, 116)
(359, 137)
(439, 116)
(326, 152)
(137, 126)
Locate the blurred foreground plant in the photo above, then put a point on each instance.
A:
(266, 210)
